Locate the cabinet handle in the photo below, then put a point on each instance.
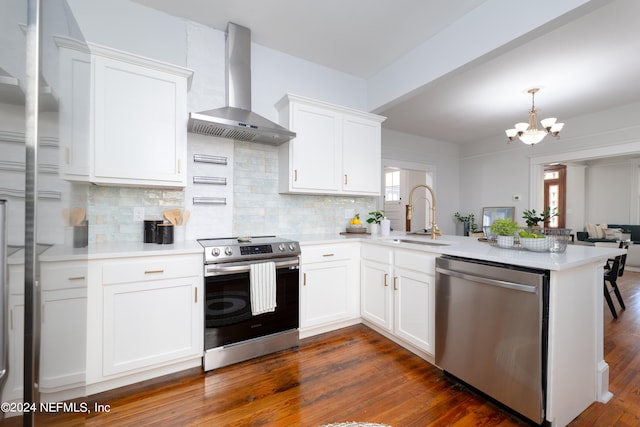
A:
(11, 319)
(395, 283)
(76, 278)
(304, 279)
(386, 279)
(196, 300)
(179, 164)
(153, 271)
(66, 154)
(345, 179)
(327, 255)
(295, 175)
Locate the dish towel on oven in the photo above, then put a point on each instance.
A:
(263, 287)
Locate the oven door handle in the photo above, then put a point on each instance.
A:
(218, 270)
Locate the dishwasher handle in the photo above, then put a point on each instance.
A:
(487, 281)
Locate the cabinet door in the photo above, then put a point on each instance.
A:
(361, 154)
(150, 323)
(75, 114)
(376, 295)
(325, 295)
(413, 307)
(13, 387)
(63, 339)
(315, 164)
(140, 124)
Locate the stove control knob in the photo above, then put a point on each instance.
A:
(281, 247)
(215, 252)
(292, 246)
(228, 251)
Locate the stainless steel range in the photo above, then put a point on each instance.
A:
(251, 298)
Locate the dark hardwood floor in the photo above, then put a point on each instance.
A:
(353, 374)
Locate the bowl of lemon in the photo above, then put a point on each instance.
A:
(356, 226)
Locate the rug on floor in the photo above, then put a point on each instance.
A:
(355, 424)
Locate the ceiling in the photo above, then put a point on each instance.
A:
(583, 65)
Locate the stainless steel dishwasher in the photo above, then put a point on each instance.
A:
(491, 330)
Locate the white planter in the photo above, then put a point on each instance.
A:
(374, 228)
(505, 241)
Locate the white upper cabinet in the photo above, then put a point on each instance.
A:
(123, 118)
(337, 150)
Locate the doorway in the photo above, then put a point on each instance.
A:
(398, 182)
(555, 184)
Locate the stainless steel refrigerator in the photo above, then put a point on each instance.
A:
(4, 294)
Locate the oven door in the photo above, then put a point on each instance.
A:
(227, 308)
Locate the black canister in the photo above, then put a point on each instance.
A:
(151, 230)
(81, 235)
(164, 235)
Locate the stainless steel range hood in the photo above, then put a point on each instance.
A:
(236, 120)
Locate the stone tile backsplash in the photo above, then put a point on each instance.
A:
(110, 211)
(260, 209)
(257, 207)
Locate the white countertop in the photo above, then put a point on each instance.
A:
(470, 247)
(117, 250)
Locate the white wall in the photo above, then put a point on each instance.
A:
(492, 171)
(605, 183)
(575, 198)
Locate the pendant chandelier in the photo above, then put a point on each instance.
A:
(530, 133)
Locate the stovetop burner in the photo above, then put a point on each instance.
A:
(230, 249)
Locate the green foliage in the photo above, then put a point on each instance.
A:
(376, 217)
(469, 218)
(504, 227)
(532, 218)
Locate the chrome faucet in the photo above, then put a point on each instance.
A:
(434, 232)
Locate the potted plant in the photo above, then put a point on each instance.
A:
(506, 229)
(469, 225)
(374, 219)
(533, 218)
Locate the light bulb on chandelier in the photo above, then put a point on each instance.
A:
(529, 133)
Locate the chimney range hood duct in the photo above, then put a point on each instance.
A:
(236, 121)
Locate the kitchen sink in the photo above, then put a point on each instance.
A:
(419, 242)
(424, 232)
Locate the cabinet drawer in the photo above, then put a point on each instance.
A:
(415, 260)
(151, 268)
(63, 275)
(376, 253)
(326, 253)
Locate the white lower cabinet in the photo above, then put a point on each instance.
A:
(13, 389)
(149, 323)
(147, 314)
(398, 293)
(329, 287)
(63, 335)
(377, 302)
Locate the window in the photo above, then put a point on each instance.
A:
(554, 193)
(392, 186)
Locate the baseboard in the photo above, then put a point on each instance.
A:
(413, 349)
(328, 327)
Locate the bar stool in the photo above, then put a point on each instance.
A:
(613, 269)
